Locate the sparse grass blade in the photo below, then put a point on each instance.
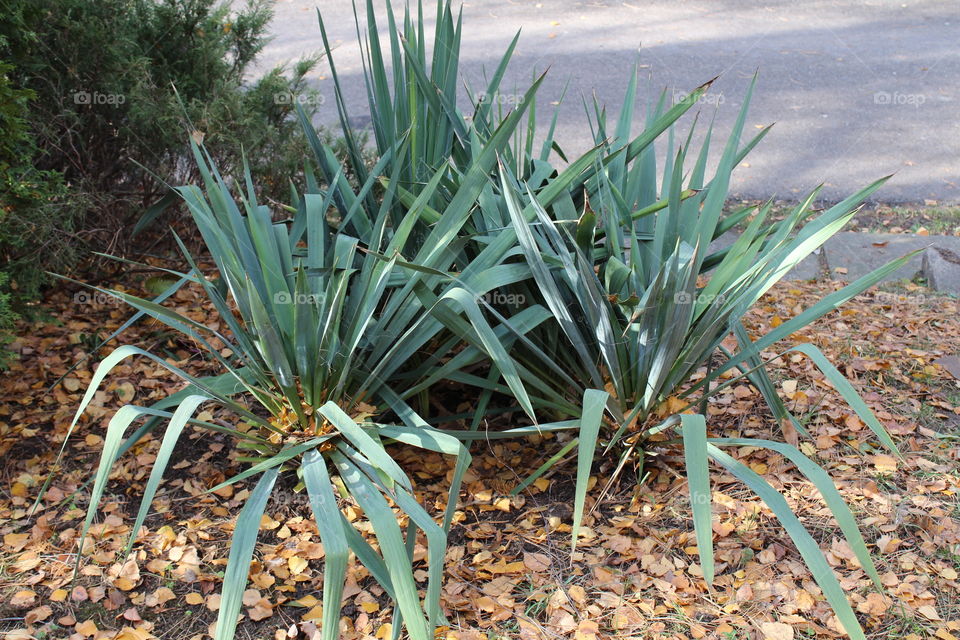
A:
(170, 439)
(849, 394)
(826, 487)
(693, 428)
(326, 513)
(241, 551)
(594, 405)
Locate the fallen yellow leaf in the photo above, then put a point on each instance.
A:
(86, 628)
(297, 565)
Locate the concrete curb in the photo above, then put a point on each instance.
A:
(941, 268)
(849, 255)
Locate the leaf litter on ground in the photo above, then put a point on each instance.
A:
(509, 572)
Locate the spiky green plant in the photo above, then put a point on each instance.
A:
(641, 303)
(638, 300)
(326, 334)
(414, 100)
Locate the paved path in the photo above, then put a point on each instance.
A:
(858, 88)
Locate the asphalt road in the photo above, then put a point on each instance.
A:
(857, 89)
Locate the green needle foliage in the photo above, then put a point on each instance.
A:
(588, 291)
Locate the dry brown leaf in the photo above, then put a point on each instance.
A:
(929, 612)
(587, 630)
(16, 541)
(875, 604)
(164, 595)
(884, 463)
(261, 610)
(776, 631)
(132, 615)
(315, 613)
(577, 594)
(536, 562)
(23, 599)
(36, 615)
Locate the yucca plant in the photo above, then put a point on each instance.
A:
(327, 334)
(641, 303)
(341, 313)
(638, 300)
